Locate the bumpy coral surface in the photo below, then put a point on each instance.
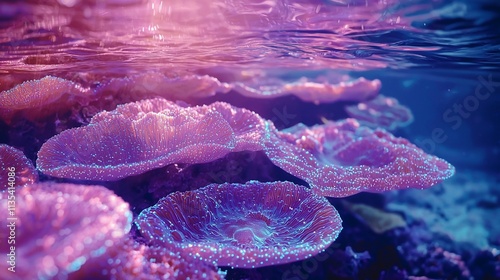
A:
(240, 87)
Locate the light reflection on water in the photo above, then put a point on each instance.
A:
(115, 38)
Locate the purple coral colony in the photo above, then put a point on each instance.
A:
(179, 171)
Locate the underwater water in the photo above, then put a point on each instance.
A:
(226, 139)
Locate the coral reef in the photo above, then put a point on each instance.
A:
(129, 260)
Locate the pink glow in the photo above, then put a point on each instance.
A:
(143, 35)
(65, 61)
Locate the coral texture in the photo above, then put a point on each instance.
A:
(153, 84)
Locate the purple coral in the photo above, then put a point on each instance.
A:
(382, 112)
(15, 162)
(343, 158)
(141, 136)
(58, 227)
(243, 225)
(42, 97)
(153, 84)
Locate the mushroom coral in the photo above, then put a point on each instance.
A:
(243, 225)
(40, 98)
(144, 135)
(382, 112)
(151, 84)
(336, 159)
(342, 158)
(310, 91)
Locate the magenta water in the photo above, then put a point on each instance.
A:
(277, 139)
